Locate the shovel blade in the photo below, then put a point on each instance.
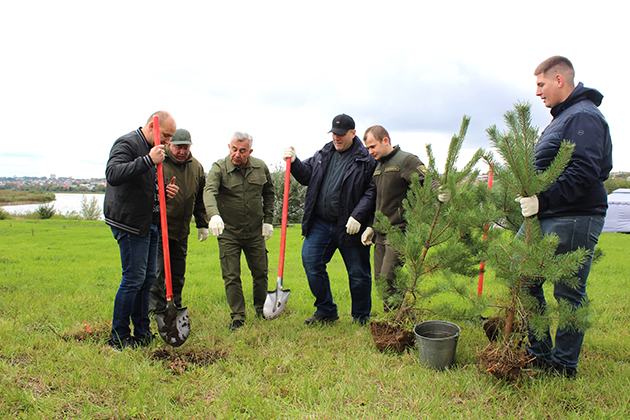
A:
(275, 303)
(173, 324)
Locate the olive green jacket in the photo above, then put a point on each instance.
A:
(191, 179)
(392, 178)
(244, 198)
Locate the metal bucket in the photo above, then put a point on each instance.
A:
(437, 343)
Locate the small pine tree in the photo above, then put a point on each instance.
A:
(523, 259)
(439, 236)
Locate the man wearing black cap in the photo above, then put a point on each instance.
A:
(339, 204)
(187, 174)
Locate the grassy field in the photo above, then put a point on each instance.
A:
(58, 279)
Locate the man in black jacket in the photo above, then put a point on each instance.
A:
(574, 206)
(339, 204)
(132, 210)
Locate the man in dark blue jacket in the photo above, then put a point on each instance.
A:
(132, 210)
(574, 206)
(339, 205)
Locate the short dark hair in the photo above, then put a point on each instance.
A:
(558, 64)
(378, 132)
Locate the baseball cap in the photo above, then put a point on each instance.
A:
(181, 136)
(341, 124)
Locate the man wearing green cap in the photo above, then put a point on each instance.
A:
(187, 174)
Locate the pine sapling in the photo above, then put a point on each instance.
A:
(526, 258)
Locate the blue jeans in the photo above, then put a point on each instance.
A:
(573, 233)
(139, 269)
(317, 251)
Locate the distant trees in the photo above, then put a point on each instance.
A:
(612, 184)
(297, 192)
(13, 197)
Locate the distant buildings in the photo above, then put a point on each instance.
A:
(53, 183)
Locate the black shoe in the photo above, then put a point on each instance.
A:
(318, 319)
(236, 324)
(362, 321)
(540, 364)
(144, 341)
(259, 314)
(565, 372)
(120, 345)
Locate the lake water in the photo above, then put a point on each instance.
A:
(64, 203)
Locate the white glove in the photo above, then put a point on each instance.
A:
(216, 225)
(353, 226)
(267, 231)
(202, 234)
(529, 205)
(289, 152)
(366, 238)
(444, 195)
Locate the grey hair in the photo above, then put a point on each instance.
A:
(242, 136)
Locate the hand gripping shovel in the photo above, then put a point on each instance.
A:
(173, 323)
(277, 299)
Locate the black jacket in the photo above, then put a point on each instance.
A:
(130, 194)
(358, 193)
(580, 188)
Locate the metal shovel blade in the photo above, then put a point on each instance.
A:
(276, 301)
(173, 324)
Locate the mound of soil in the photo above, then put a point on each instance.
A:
(179, 362)
(95, 332)
(388, 337)
(504, 361)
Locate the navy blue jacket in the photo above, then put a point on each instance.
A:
(358, 193)
(130, 194)
(580, 188)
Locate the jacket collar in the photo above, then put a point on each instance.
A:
(229, 166)
(172, 159)
(358, 150)
(580, 93)
(391, 154)
(141, 135)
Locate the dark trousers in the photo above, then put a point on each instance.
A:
(178, 250)
(573, 233)
(255, 251)
(317, 251)
(138, 257)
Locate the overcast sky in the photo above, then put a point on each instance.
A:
(76, 75)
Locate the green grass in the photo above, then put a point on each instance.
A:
(25, 197)
(58, 275)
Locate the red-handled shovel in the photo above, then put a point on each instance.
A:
(173, 323)
(277, 299)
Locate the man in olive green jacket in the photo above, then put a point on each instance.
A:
(392, 178)
(239, 200)
(187, 174)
